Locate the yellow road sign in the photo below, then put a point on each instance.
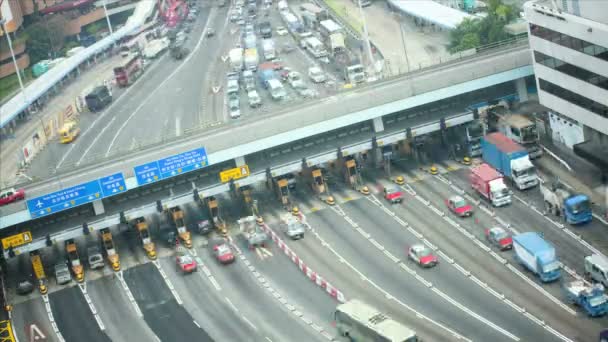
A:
(38, 268)
(236, 173)
(17, 240)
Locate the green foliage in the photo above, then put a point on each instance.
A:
(478, 32)
(93, 28)
(9, 84)
(45, 38)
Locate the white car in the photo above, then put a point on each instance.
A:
(295, 80)
(317, 75)
(282, 31)
(234, 106)
(254, 99)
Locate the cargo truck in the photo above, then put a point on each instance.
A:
(590, 298)
(349, 67)
(559, 200)
(517, 127)
(490, 185)
(236, 59)
(269, 49)
(155, 47)
(510, 159)
(537, 255)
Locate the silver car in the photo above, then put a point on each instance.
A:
(234, 106)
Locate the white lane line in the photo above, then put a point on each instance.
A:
(387, 295)
(268, 339)
(249, 322)
(196, 323)
(176, 295)
(127, 290)
(208, 274)
(49, 312)
(178, 126)
(152, 93)
(459, 305)
(94, 143)
(83, 289)
(231, 305)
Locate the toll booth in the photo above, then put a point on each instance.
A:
(351, 173)
(281, 186)
(144, 234)
(39, 271)
(74, 260)
(318, 182)
(177, 216)
(214, 212)
(109, 248)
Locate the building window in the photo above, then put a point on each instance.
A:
(571, 70)
(574, 98)
(569, 42)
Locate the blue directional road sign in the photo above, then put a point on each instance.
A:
(147, 173)
(171, 166)
(112, 185)
(183, 162)
(64, 199)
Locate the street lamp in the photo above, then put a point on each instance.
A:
(366, 38)
(105, 9)
(10, 46)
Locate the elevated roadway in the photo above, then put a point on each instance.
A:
(248, 136)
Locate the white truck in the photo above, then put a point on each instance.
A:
(251, 59)
(236, 59)
(269, 49)
(155, 47)
(293, 227)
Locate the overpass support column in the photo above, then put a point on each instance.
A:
(378, 127)
(98, 207)
(239, 161)
(522, 90)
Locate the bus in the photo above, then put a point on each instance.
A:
(68, 132)
(128, 71)
(360, 322)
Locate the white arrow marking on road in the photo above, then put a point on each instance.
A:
(216, 89)
(36, 334)
(224, 58)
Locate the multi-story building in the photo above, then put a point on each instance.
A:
(11, 14)
(569, 43)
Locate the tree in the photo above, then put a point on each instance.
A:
(93, 28)
(45, 38)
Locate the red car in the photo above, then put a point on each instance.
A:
(223, 253)
(393, 195)
(185, 261)
(459, 206)
(422, 255)
(500, 238)
(9, 196)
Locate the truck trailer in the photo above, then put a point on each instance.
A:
(537, 255)
(236, 59)
(559, 200)
(510, 159)
(490, 184)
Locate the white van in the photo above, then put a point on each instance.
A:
(596, 268)
(276, 89)
(283, 6)
(316, 48)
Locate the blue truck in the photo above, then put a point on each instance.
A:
(510, 159)
(537, 255)
(560, 201)
(590, 298)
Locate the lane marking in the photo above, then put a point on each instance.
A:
(83, 289)
(94, 141)
(387, 295)
(127, 290)
(231, 305)
(249, 322)
(176, 295)
(428, 284)
(208, 274)
(49, 312)
(196, 323)
(188, 58)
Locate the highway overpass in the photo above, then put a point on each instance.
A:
(364, 104)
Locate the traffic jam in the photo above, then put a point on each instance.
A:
(426, 245)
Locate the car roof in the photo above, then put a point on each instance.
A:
(419, 247)
(456, 198)
(497, 230)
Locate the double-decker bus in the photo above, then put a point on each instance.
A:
(361, 322)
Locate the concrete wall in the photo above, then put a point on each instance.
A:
(7, 69)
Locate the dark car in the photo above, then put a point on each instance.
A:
(265, 29)
(168, 235)
(25, 287)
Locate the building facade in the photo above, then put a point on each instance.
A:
(569, 43)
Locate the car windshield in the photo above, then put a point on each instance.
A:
(551, 266)
(185, 259)
(222, 250)
(501, 235)
(459, 203)
(581, 207)
(424, 252)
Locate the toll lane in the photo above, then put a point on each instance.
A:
(545, 301)
(74, 317)
(29, 316)
(364, 256)
(162, 313)
(290, 281)
(208, 306)
(268, 315)
(524, 219)
(396, 239)
(116, 311)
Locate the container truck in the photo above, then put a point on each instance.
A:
(155, 47)
(590, 298)
(490, 184)
(251, 59)
(236, 59)
(510, 159)
(537, 255)
(559, 200)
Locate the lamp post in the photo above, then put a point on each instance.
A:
(368, 47)
(105, 9)
(10, 46)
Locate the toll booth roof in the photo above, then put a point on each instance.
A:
(593, 152)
